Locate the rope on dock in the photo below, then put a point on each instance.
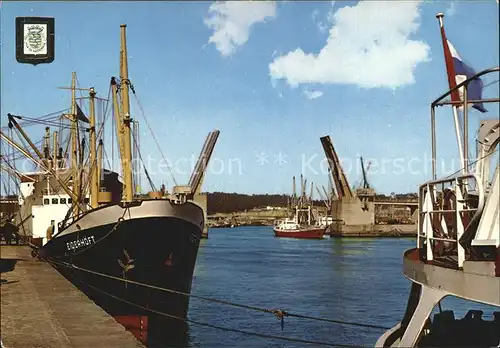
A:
(280, 314)
(227, 329)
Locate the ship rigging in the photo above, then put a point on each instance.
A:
(82, 213)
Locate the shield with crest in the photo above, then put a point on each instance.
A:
(35, 39)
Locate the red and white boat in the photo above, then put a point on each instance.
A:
(303, 224)
(291, 229)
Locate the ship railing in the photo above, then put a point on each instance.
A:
(465, 103)
(66, 221)
(71, 218)
(448, 208)
(464, 85)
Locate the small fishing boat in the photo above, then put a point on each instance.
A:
(304, 224)
(289, 228)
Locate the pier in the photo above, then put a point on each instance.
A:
(41, 308)
(365, 231)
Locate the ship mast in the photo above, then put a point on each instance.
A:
(125, 110)
(74, 145)
(46, 146)
(99, 165)
(94, 178)
(55, 162)
(40, 162)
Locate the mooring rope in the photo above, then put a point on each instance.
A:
(280, 314)
(223, 328)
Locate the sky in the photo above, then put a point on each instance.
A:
(273, 77)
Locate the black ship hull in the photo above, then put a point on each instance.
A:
(159, 250)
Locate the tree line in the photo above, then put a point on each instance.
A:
(222, 202)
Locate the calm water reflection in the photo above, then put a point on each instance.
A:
(349, 279)
(356, 280)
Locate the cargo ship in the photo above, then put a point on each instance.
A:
(96, 230)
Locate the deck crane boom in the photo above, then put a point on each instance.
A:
(294, 193)
(326, 200)
(302, 187)
(304, 194)
(327, 195)
(332, 195)
(312, 192)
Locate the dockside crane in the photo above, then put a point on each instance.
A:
(337, 173)
(355, 205)
(365, 183)
(193, 190)
(196, 179)
(365, 190)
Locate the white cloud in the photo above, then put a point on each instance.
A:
(368, 46)
(315, 14)
(312, 94)
(324, 25)
(231, 22)
(451, 10)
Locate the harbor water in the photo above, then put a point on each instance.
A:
(356, 280)
(349, 279)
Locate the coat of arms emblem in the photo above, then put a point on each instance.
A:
(35, 39)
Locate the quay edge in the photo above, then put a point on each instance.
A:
(35, 296)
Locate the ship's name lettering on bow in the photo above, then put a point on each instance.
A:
(78, 243)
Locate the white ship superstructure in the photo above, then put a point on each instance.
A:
(458, 239)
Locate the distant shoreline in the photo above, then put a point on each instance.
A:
(374, 231)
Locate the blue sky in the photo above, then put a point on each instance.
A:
(253, 72)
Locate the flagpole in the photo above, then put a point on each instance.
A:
(452, 83)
